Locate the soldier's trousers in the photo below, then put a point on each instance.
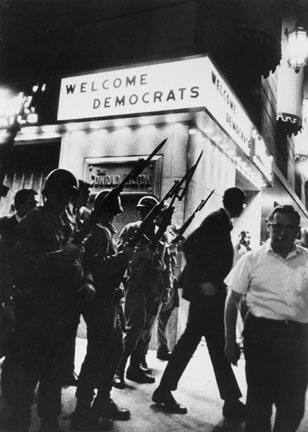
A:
(141, 307)
(165, 311)
(38, 345)
(162, 322)
(104, 350)
(68, 366)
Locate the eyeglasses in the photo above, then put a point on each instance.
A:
(278, 227)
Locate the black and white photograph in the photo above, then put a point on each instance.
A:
(153, 215)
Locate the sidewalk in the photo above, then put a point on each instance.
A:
(197, 391)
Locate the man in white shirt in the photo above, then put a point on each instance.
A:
(274, 278)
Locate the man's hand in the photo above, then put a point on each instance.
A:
(87, 290)
(232, 352)
(207, 289)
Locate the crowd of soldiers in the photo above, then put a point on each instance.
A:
(61, 261)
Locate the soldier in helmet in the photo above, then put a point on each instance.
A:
(78, 215)
(25, 201)
(48, 276)
(106, 266)
(142, 296)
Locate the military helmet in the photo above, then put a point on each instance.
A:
(106, 200)
(147, 201)
(84, 185)
(61, 178)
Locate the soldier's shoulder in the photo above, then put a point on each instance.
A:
(4, 222)
(3, 219)
(99, 237)
(34, 217)
(132, 225)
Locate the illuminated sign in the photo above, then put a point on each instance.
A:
(183, 84)
(260, 155)
(107, 175)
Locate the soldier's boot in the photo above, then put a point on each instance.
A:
(50, 426)
(118, 379)
(144, 366)
(108, 409)
(88, 419)
(135, 372)
(138, 371)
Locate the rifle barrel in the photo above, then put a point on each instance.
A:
(156, 150)
(191, 217)
(203, 202)
(189, 175)
(137, 170)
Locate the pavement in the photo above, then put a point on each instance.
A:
(197, 391)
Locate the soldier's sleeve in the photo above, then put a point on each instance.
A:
(124, 236)
(97, 257)
(168, 273)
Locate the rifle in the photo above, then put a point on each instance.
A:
(190, 219)
(79, 236)
(175, 192)
(189, 177)
(135, 172)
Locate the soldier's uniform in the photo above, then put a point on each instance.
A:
(170, 295)
(24, 203)
(6, 323)
(106, 266)
(47, 279)
(142, 297)
(79, 221)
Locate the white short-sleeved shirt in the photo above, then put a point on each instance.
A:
(275, 288)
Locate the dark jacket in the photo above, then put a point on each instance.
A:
(209, 254)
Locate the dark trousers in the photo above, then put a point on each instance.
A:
(7, 374)
(104, 351)
(277, 373)
(141, 309)
(204, 319)
(68, 366)
(36, 354)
